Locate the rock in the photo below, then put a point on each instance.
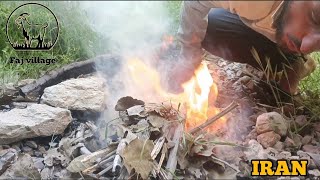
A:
(306, 140)
(316, 127)
(84, 94)
(26, 149)
(279, 146)
(297, 139)
(31, 144)
(25, 82)
(311, 149)
(6, 158)
(301, 120)
(272, 153)
(42, 149)
(255, 151)
(268, 139)
(16, 146)
(314, 173)
(38, 162)
(36, 120)
(289, 143)
(23, 168)
(294, 158)
(271, 121)
(38, 153)
(284, 155)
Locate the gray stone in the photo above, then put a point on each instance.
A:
(284, 155)
(26, 149)
(38, 162)
(311, 149)
(31, 144)
(314, 173)
(306, 140)
(84, 94)
(36, 120)
(255, 151)
(301, 120)
(279, 146)
(23, 168)
(271, 121)
(268, 139)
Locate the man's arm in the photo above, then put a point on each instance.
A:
(192, 29)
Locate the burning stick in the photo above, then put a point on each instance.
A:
(232, 106)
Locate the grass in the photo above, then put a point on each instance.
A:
(76, 41)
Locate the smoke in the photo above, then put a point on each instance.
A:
(131, 29)
(129, 26)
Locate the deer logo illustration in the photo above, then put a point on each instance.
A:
(32, 26)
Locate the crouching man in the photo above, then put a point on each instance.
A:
(281, 32)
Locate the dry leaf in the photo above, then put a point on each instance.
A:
(137, 110)
(156, 121)
(77, 166)
(137, 156)
(126, 102)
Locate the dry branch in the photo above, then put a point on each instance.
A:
(229, 108)
(172, 160)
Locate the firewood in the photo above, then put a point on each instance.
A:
(157, 147)
(229, 108)
(105, 170)
(117, 162)
(172, 160)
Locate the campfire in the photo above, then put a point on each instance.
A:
(148, 133)
(194, 99)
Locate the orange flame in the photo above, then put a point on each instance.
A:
(195, 97)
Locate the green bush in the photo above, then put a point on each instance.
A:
(76, 41)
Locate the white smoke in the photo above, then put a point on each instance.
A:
(132, 29)
(129, 26)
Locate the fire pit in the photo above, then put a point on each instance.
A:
(116, 120)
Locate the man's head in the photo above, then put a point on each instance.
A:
(298, 30)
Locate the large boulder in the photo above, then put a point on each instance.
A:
(84, 94)
(271, 121)
(33, 121)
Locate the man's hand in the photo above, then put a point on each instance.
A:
(179, 75)
(183, 70)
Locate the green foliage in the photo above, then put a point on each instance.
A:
(174, 13)
(310, 88)
(311, 83)
(76, 41)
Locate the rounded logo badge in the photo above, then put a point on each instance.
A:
(32, 26)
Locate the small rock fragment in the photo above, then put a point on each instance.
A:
(284, 155)
(288, 143)
(255, 151)
(306, 140)
(26, 149)
(268, 139)
(301, 120)
(314, 173)
(311, 149)
(279, 146)
(31, 144)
